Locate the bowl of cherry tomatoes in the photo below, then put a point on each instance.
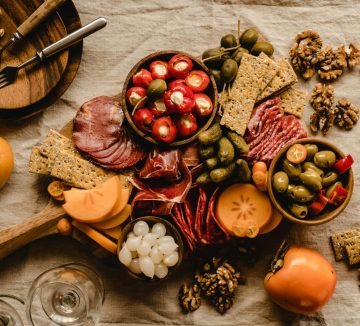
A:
(169, 97)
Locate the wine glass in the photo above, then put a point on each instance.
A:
(70, 294)
(8, 314)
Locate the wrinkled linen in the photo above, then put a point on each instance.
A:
(136, 29)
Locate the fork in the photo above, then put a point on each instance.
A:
(9, 74)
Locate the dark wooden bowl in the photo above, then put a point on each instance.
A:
(330, 213)
(211, 91)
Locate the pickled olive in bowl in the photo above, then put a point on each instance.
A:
(324, 159)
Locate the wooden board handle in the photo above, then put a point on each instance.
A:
(35, 227)
(39, 15)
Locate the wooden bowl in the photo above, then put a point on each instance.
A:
(211, 91)
(331, 212)
(170, 230)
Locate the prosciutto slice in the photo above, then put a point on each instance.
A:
(269, 129)
(98, 133)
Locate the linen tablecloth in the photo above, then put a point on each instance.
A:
(136, 29)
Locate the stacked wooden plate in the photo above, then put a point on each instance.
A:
(38, 86)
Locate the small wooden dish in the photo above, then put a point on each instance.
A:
(347, 178)
(170, 230)
(165, 56)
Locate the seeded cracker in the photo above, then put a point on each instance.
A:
(54, 140)
(252, 77)
(293, 101)
(352, 248)
(38, 163)
(338, 242)
(284, 78)
(78, 172)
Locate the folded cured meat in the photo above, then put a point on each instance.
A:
(99, 134)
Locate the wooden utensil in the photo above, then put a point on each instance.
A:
(43, 224)
(45, 77)
(71, 20)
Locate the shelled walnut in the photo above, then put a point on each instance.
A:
(189, 297)
(322, 99)
(346, 114)
(332, 62)
(353, 55)
(304, 52)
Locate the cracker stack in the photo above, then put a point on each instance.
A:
(346, 245)
(58, 157)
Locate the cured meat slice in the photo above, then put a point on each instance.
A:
(97, 124)
(161, 165)
(106, 152)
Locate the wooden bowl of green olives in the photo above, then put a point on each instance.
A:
(169, 97)
(311, 181)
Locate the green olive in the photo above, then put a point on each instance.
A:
(156, 88)
(301, 194)
(265, 47)
(228, 41)
(311, 166)
(311, 150)
(248, 38)
(229, 70)
(311, 179)
(291, 169)
(238, 54)
(330, 178)
(332, 187)
(280, 181)
(289, 189)
(300, 211)
(217, 76)
(325, 159)
(218, 58)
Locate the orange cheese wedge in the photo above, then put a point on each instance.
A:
(124, 194)
(114, 233)
(99, 238)
(93, 205)
(242, 209)
(115, 220)
(274, 222)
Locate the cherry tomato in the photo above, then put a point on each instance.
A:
(175, 82)
(143, 119)
(158, 108)
(159, 70)
(301, 280)
(142, 78)
(296, 153)
(186, 124)
(135, 94)
(164, 130)
(180, 66)
(344, 164)
(198, 80)
(203, 105)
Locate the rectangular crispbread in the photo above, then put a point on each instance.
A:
(284, 78)
(338, 241)
(293, 101)
(38, 163)
(54, 141)
(78, 172)
(252, 77)
(352, 248)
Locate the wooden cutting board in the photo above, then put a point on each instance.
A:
(35, 82)
(43, 224)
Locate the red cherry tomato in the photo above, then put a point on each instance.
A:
(179, 99)
(301, 280)
(203, 105)
(159, 70)
(180, 66)
(142, 78)
(135, 94)
(186, 124)
(198, 80)
(164, 130)
(143, 119)
(175, 82)
(158, 108)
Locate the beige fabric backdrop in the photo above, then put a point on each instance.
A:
(135, 29)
